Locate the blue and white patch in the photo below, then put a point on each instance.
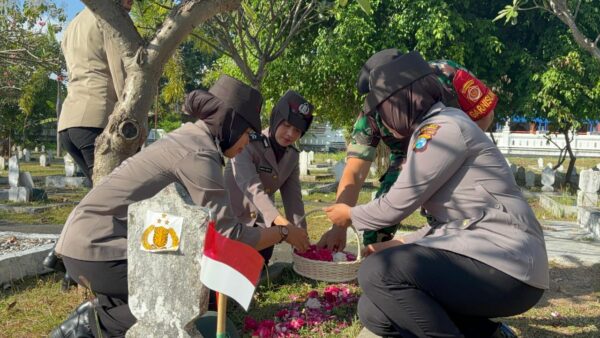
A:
(421, 143)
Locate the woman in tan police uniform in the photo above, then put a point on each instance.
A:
(483, 256)
(270, 163)
(93, 242)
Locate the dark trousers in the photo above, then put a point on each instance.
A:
(108, 281)
(415, 291)
(79, 142)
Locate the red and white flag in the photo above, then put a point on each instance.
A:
(230, 267)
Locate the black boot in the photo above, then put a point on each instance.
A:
(83, 307)
(67, 282)
(504, 331)
(77, 326)
(53, 262)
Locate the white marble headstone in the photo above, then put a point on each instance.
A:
(44, 160)
(540, 163)
(25, 180)
(548, 178)
(70, 168)
(303, 165)
(13, 172)
(26, 155)
(338, 170)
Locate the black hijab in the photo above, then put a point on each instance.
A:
(294, 109)
(228, 109)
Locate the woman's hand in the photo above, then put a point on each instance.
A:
(298, 238)
(376, 247)
(334, 239)
(339, 214)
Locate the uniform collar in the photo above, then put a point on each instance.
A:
(200, 124)
(434, 110)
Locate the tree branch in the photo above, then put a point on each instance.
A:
(561, 11)
(210, 44)
(181, 22)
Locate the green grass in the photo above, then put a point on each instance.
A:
(51, 216)
(337, 156)
(545, 215)
(35, 305)
(56, 168)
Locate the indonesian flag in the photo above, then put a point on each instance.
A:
(230, 267)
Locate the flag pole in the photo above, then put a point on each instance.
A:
(221, 315)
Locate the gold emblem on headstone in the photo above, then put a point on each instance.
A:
(160, 235)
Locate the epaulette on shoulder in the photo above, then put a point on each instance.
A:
(257, 137)
(254, 136)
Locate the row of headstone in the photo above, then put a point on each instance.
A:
(21, 183)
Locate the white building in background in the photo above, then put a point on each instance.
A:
(321, 137)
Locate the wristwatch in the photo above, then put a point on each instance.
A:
(283, 232)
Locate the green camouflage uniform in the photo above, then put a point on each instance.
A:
(368, 131)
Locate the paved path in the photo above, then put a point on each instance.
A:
(569, 244)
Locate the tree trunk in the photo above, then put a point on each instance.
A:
(127, 127)
(572, 158)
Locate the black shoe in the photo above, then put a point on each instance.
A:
(504, 331)
(53, 262)
(77, 326)
(67, 282)
(83, 308)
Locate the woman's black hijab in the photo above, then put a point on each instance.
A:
(228, 109)
(403, 88)
(294, 109)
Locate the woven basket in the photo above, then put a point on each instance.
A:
(328, 271)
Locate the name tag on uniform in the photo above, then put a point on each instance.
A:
(265, 169)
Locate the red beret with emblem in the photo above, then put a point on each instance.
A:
(474, 97)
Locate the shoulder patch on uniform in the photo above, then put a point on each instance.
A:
(425, 134)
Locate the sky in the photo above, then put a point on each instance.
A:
(71, 7)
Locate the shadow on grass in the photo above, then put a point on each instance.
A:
(571, 307)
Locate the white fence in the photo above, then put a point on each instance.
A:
(586, 145)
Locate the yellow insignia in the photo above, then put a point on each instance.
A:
(425, 134)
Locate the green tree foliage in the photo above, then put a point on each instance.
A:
(259, 32)
(29, 54)
(580, 16)
(324, 61)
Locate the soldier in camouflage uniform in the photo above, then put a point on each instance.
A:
(367, 132)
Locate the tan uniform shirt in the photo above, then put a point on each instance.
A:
(96, 229)
(254, 176)
(96, 74)
(462, 180)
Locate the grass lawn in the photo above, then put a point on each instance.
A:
(570, 308)
(33, 306)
